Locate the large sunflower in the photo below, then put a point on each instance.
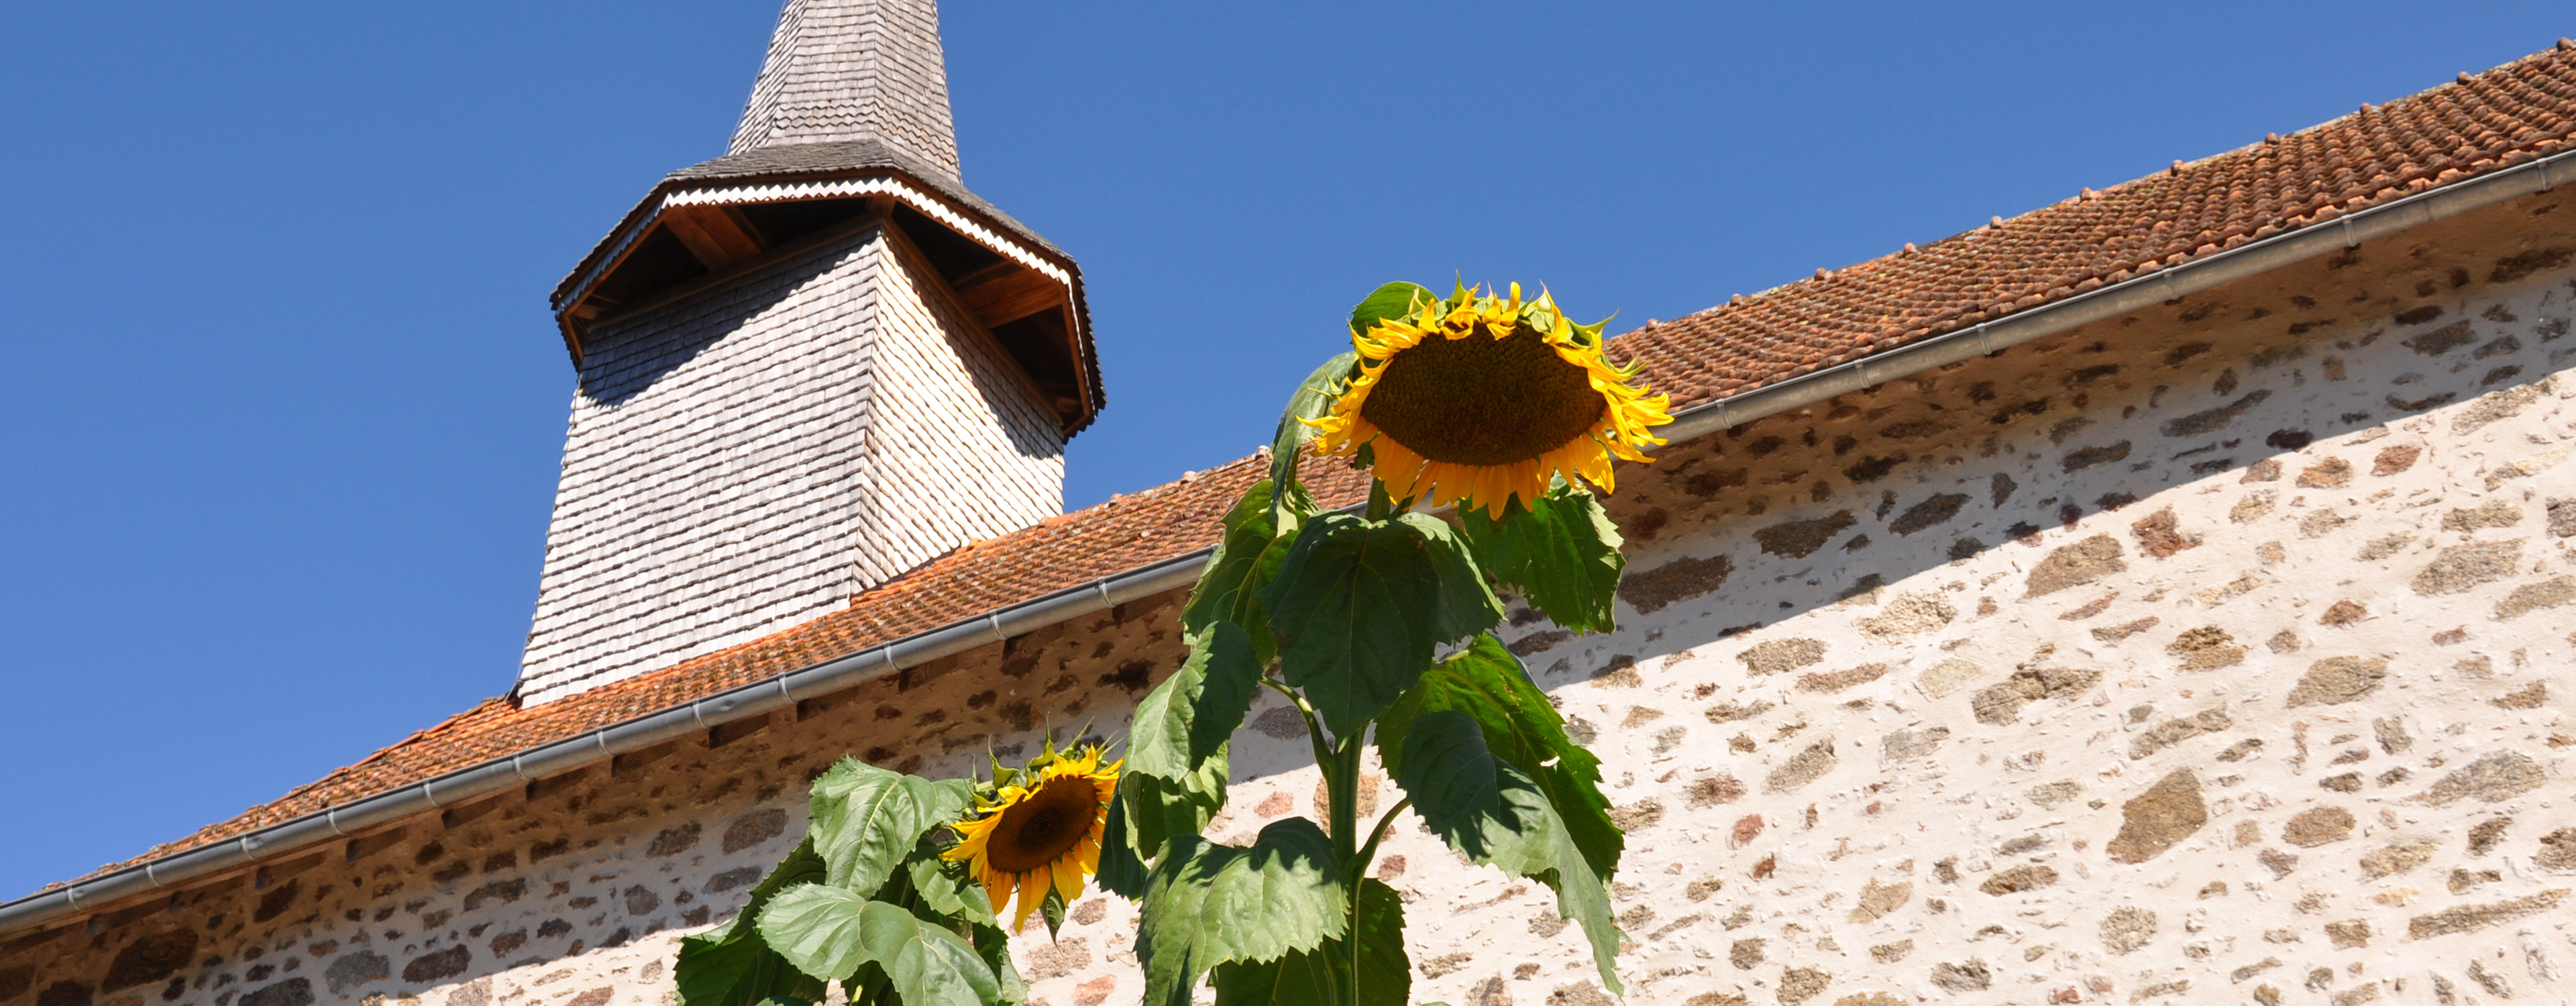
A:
(1479, 399)
(1039, 830)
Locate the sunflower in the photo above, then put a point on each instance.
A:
(1479, 399)
(1039, 829)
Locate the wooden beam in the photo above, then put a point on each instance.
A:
(1012, 296)
(718, 237)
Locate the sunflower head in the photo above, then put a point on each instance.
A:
(1477, 399)
(1036, 830)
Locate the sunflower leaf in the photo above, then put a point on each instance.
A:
(1524, 730)
(1244, 561)
(1358, 605)
(734, 966)
(1215, 904)
(1467, 604)
(1187, 718)
(1389, 302)
(994, 946)
(1321, 977)
(948, 889)
(1313, 398)
(1562, 553)
(829, 931)
(866, 819)
(1149, 810)
(1493, 813)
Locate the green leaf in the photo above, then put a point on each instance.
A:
(1321, 977)
(1245, 560)
(947, 889)
(1562, 553)
(1495, 814)
(1523, 729)
(830, 931)
(1187, 719)
(1149, 810)
(742, 971)
(994, 946)
(1313, 398)
(1467, 605)
(1392, 301)
(1213, 904)
(1122, 869)
(1358, 604)
(734, 966)
(817, 928)
(866, 819)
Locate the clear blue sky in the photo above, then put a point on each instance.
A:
(280, 403)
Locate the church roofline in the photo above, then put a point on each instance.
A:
(2379, 172)
(843, 171)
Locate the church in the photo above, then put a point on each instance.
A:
(2163, 595)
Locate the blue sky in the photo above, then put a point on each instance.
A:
(281, 406)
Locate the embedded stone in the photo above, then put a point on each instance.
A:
(2557, 851)
(2462, 567)
(291, 992)
(1908, 615)
(2318, 826)
(2128, 929)
(1836, 681)
(2440, 340)
(2049, 794)
(1931, 512)
(433, 966)
(1058, 959)
(1674, 582)
(2530, 697)
(1970, 975)
(2396, 859)
(1778, 655)
(2172, 732)
(2213, 420)
(150, 958)
(2493, 779)
(1798, 539)
(1746, 954)
(744, 876)
(1798, 985)
(355, 969)
(2150, 823)
(2532, 597)
(1802, 768)
(2392, 460)
(1946, 677)
(2497, 406)
(2206, 649)
(674, 840)
(1714, 790)
(1877, 899)
(1911, 743)
(2471, 918)
(2075, 565)
(2027, 877)
(1998, 704)
(2337, 680)
(503, 891)
(2328, 473)
(2494, 513)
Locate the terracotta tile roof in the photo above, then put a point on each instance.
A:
(2482, 123)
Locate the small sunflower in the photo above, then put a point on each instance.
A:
(1479, 399)
(1039, 829)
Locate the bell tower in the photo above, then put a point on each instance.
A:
(802, 368)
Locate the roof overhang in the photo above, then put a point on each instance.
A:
(708, 223)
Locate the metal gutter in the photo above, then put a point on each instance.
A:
(2166, 284)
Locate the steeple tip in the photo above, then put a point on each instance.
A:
(841, 70)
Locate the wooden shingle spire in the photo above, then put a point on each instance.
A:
(854, 70)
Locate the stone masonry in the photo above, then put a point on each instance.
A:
(748, 458)
(2216, 653)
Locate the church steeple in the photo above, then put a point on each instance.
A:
(854, 70)
(806, 367)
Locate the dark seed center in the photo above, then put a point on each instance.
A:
(1483, 401)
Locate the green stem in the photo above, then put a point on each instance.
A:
(1368, 853)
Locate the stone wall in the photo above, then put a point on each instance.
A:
(749, 458)
(2212, 654)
